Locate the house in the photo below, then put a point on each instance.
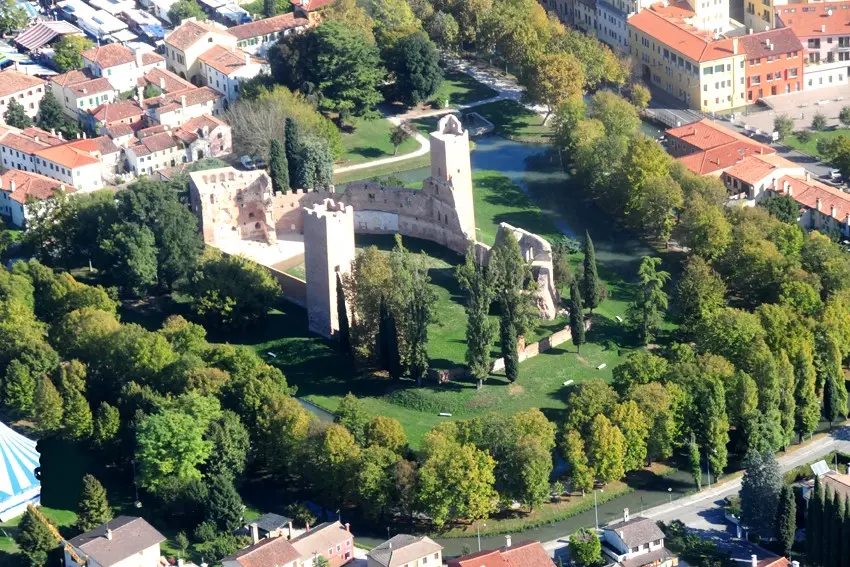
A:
(205, 136)
(824, 30)
(177, 108)
(17, 147)
(188, 42)
(164, 80)
(822, 208)
(108, 153)
(706, 148)
(120, 65)
(256, 37)
(703, 69)
(72, 164)
(331, 540)
(753, 175)
(19, 188)
(79, 92)
(270, 552)
(154, 152)
(270, 525)
(121, 112)
(223, 69)
(24, 89)
(526, 554)
(772, 562)
(303, 8)
(406, 551)
(774, 63)
(636, 542)
(123, 542)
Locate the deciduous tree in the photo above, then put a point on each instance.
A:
(635, 428)
(585, 548)
(416, 65)
(183, 9)
(555, 77)
(352, 414)
(386, 432)
(67, 52)
(572, 447)
(47, 406)
(107, 422)
(606, 448)
(16, 116)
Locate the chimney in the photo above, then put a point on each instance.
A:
(818, 204)
(754, 560)
(832, 211)
(78, 135)
(807, 175)
(247, 59)
(289, 527)
(795, 564)
(347, 527)
(307, 528)
(790, 190)
(140, 94)
(138, 55)
(183, 101)
(625, 514)
(255, 533)
(12, 190)
(179, 562)
(735, 45)
(85, 91)
(162, 83)
(847, 219)
(823, 28)
(108, 531)
(750, 31)
(507, 540)
(35, 138)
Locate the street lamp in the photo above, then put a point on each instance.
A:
(478, 526)
(670, 494)
(596, 506)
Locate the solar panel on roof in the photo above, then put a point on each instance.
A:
(820, 468)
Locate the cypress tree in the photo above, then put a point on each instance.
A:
(825, 533)
(269, 8)
(383, 335)
(34, 538)
(292, 147)
(396, 367)
(590, 289)
(344, 335)
(475, 279)
(786, 520)
(836, 531)
(813, 524)
(278, 167)
(831, 400)
(845, 534)
(93, 509)
(509, 347)
(576, 316)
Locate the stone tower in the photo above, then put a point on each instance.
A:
(450, 164)
(328, 253)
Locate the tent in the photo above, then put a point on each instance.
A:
(18, 484)
(44, 32)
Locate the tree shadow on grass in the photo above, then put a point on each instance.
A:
(369, 152)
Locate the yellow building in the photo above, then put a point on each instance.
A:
(704, 70)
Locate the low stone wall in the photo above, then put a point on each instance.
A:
(294, 289)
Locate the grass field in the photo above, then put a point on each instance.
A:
(811, 147)
(515, 122)
(370, 140)
(382, 170)
(460, 88)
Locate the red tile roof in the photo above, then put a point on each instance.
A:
(109, 55)
(22, 143)
(165, 80)
(310, 5)
(190, 32)
(272, 552)
(13, 82)
(67, 156)
(151, 58)
(758, 45)
(816, 19)
(114, 111)
(677, 10)
(93, 86)
(43, 136)
(694, 44)
(102, 145)
(119, 130)
(715, 147)
(774, 562)
(226, 61)
(193, 129)
(268, 25)
(811, 193)
(705, 134)
(173, 101)
(72, 77)
(30, 185)
(526, 554)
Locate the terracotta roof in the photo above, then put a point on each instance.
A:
(677, 10)
(267, 26)
(310, 5)
(705, 134)
(129, 537)
(43, 136)
(22, 143)
(403, 549)
(93, 86)
(226, 61)
(118, 110)
(774, 562)
(188, 33)
(173, 101)
(67, 155)
(809, 193)
(322, 537)
(756, 167)
(101, 144)
(716, 147)
(30, 185)
(119, 130)
(151, 58)
(165, 80)
(721, 157)
(636, 531)
(109, 55)
(72, 77)
(491, 558)
(694, 44)
(652, 558)
(12, 82)
(151, 130)
(525, 554)
(191, 130)
(783, 40)
(154, 143)
(273, 552)
(828, 18)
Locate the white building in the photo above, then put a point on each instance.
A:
(256, 37)
(25, 89)
(122, 542)
(185, 45)
(119, 65)
(177, 108)
(19, 188)
(155, 152)
(636, 542)
(406, 551)
(79, 91)
(223, 69)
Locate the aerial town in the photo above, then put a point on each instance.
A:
(424, 283)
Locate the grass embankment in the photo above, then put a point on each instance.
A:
(811, 145)
(366, 140)
(513, 121)
(461, 89)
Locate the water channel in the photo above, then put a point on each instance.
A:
(537, 170)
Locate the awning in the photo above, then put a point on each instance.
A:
(153, 31)
(43, 33)
(122, 36)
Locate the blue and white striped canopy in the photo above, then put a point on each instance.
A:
(18, 461)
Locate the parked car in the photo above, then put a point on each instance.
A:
(247, 162)
(259, 162)
(835, 174)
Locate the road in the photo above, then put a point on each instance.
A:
(702, 511)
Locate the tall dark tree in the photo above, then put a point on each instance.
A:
(760, 490)
(415, 63)
(815, 524)
(832, 400)
(269, 8)
(16, 116)
(93, 509)
(836, 532)
(509, 274)
(507, 334)
(389, 353)
(786, 520)
(344, 335)
(576, 316)
(826, 543)
(475, 279)
(278, 167)
(34, 538)
(591, 291)
(292, 147)
(51, 116)
(223, 506)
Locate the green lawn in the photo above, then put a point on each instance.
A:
(460, 89)
(811, 147)
(370, 140)
(515, 122)
(383, 170)
(298, 271)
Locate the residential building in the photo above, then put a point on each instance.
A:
(19, 188)
(17, 147)
(154, 152)
(79, 92)
(177, 108)
(522, 555)
(753, 175)
(636, 542)
(774, 63)
(303, 8)
(121, 112)
(331, 540)
(205, 136)
(822, 208)
(223, 69)
(824, 30)
(122, 542)
(26, 90)
(256, 37)
(564, 9)
(704, 70)
(120, 65)
(707, 148)
(72, 165)
(164, 80)
(107, 152)
(270, 552)
(187, 43)
(406, 551)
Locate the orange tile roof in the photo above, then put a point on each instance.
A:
(21, 143)
(526, 554)
(310, 5)
(72, 77)
(270, 552)
(694, 44)
(226, 61)
(756, 167)
(188, 33)
(67, 156)
(267, 26)
(43, 136)
(705, 134)
(191, 130)
(816, 19)
(715, 147)
(118, 110)
(165, 80)
(774, 562)
(102, 145)
(13, 82)
(30, 185)
(173, 101)
(678, 10)
(782, 40)
(151, 58)
(93, 86)
(811, 193)
(109, 55)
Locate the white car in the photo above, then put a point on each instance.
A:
(247, 162)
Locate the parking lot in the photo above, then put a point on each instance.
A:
(801, 107)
